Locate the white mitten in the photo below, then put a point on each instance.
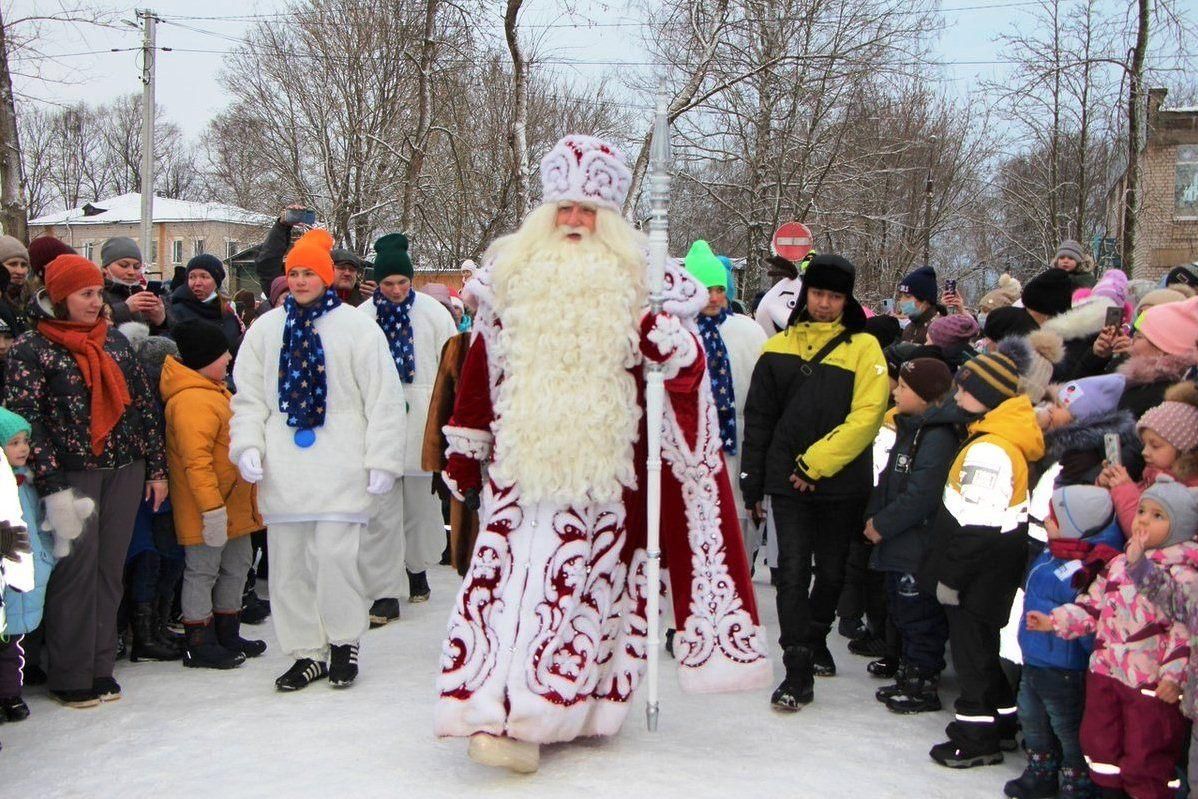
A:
(66, 511)
(216, 527)
(250, 465)
(947, 596)
(380, 482)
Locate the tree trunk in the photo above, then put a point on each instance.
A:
(1135, 131)
(424, 114)
(13, 213)
(519, 133)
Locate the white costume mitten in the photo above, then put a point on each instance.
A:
(250, 465)
(380, 482)
(66, 511)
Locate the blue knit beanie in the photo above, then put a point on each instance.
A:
(11, 424)
(920, 284)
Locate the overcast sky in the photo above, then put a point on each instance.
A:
(189, 91)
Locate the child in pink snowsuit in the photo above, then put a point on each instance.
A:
(1132, 732)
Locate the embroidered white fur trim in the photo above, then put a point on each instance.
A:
(468, 441)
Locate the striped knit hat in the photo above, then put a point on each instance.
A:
(993, 377)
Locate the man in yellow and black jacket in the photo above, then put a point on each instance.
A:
(815, 404)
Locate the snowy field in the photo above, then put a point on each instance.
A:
(196, 733)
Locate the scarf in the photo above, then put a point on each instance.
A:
(395, 318)
(302, 388)
(101, 374)
(721, 377)
(1094, 558)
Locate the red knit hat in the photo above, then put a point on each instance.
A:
(45, 249)
(69, 273)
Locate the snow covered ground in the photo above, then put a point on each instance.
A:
(190, 733)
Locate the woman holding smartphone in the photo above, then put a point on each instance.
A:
(125, 287)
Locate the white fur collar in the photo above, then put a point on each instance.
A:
(1082, 321)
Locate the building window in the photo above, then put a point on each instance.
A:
(230, 249)
(88, 250)
(199, 247)
(177, 252)
(1185, 202)
(153, 251)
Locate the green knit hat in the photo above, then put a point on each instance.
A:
(703, 264)
(11, 424)
(391, 257)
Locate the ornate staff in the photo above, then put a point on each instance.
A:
(659, 246)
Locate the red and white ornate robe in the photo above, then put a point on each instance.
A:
(547, 636)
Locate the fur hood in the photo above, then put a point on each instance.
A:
(1083, 321)
(1144, 370)
(1088, 435)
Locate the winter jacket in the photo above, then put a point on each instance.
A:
(979, 542)
(1049, 585)
(432, 326)
(24, 608)
(363, 427)
(116, 296)
(17, 574)
(1127, 496)
(1148, 378)
(268, 263)
(45, 386)
(1078, 328)
(1178, 600)
(916, 331)
(197, 450)
(904, 504)
(816, 421)
(218, 311)
(1080, 447)
(1083, 277)
(1136, 642)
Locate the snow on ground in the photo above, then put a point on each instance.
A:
(196, 733)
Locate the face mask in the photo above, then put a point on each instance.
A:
(211, 297)
(907, 307)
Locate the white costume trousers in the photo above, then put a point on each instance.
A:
(407, 531)
(316, 593)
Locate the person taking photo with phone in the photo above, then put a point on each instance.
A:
(125, 290)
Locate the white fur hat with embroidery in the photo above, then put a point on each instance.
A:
(585, 169)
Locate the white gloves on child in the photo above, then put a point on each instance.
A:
(66, 511)
(947, 596)
(250, 465)
(380, 482)
(216, 527)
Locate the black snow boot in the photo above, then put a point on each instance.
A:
(107, 689)
(343, 665)
(884, 668)
(798, 688)
(1008, 731)
(919, 694)
(418, 590)
(895, 688)
(202, 650)
(302, 672)
(13, 708)
(254, 609)
(146, 644)
(968, 745)
(228, 634)
(868, 646)
(1039, 778)
(1075, 784)
(822, 664)
(384, 611)
(851, 629)
(163, 607)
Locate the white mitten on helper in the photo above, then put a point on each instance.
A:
(66, 511)
(250, 465)
(380, 482)
(216, 527)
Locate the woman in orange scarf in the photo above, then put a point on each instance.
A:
(97, 451)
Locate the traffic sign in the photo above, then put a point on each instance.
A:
(792, 241)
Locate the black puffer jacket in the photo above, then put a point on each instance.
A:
(218, 312)
(117, 295)
(907, 497)
(45, 386)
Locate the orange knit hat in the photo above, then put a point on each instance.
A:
(313, 250)
(69, 273)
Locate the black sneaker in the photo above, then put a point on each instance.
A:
(343, 665)
(254, 609)
(76, 697)
(822, 664)
(418, 590)
(383, 611)
(107, 689)
(884, 668)
(14, 708)
(868, 646)
(303, 672)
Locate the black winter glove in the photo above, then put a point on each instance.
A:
(14, 540)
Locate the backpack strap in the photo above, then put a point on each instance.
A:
(825, 351)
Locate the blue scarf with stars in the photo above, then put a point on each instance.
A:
(302, 387)
(721, 377)
(395, 318)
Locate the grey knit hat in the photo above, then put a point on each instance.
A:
(117, 248)
(1081, 510)
(11, 247)
(1180, 504)
(1070, 249)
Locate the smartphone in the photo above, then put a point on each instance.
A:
(154, 286)
(300, 216)
(888, 305)
(1114, 317)
(1113, 450)
(950, 286)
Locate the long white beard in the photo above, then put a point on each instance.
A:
(566, 405)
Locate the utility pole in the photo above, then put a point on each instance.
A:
(147, 136)
(927, 205)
